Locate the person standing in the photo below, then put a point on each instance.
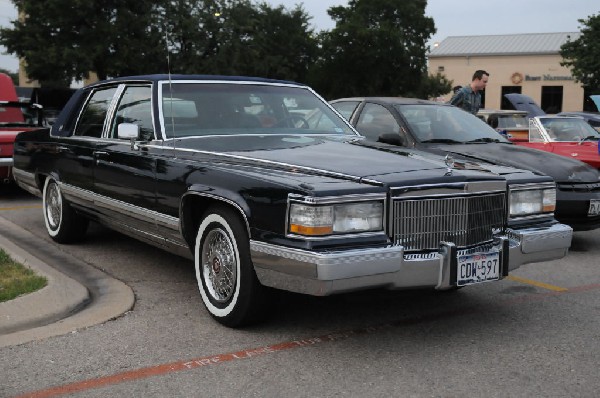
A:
(469, 97)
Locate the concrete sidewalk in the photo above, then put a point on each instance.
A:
(68, 303)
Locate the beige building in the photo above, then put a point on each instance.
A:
(521, 63)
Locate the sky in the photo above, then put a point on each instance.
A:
(451, 17)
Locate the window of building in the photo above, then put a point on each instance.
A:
(552, 99)
(504, 103)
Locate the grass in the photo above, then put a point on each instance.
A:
(16, 279)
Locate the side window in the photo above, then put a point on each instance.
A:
(346, 108)
(91, 122)
(375, 120)
(135, 107)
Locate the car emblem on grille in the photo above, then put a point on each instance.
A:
(449, 160)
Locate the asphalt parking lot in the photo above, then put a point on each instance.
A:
(536, 333)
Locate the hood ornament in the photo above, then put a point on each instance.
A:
(449, 160)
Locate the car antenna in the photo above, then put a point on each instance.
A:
(170, 85)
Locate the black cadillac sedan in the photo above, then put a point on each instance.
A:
(440, 128)
(229, 172)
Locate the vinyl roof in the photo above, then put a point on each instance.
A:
(514, 44)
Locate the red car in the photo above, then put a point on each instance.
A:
(567, 136)
(15, 117)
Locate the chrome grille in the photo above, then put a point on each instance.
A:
(421, 224)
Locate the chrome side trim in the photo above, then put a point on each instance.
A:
(26, 181)
(140, 213)
(6, 162)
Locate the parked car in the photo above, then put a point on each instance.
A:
(15, 117)
(522, 102)
(591, 118)
(512, 124)
(441, 128)
(567, 136)
(226, 171)
(527, 104)
(591, 112)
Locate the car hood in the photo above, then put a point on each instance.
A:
(560, 168)
(523, 102)
(346, 157)
(8, 134)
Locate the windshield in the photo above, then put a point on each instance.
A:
(202, 109)
(569, 129)
(440, 123)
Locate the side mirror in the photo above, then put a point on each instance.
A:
(391, 138)
(128, 131)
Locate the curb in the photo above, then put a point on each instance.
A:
(81, 299)
(61, 297)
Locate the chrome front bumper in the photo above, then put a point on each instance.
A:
(4, 162)
(325, 273)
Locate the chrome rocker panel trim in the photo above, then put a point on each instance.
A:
(325, 273)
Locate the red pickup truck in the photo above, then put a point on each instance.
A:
(15, 117)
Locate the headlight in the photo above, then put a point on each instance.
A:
(340, 218)
(532, 201)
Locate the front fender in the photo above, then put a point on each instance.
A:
(196, 201)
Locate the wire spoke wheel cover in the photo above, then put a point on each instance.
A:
(228, 285)
(53, 206)
(219, 265)
(63, 224)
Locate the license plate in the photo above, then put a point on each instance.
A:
(594, 208)
(477, 268)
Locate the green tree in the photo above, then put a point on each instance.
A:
(192, 30)
(378, 47)
(583, 55)
(237, 37)
(433, 86)
(280, 43)
(63, 40)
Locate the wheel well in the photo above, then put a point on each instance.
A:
(194, 209)
(40, 180)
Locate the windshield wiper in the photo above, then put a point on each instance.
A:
(486, 139)
(589, 137)
(442, 141)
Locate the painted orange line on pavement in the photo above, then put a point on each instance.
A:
(21, 207)
(216, 359)
(192, 364)
(536, 283)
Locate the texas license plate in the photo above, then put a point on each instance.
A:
(477, 268)
(594, 208)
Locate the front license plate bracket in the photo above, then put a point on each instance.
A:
(478, 267)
